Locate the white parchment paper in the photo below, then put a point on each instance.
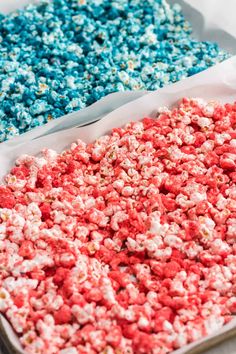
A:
(85, 116)
(7, 6)
(211, 20)
(219, 15)
(218, 83)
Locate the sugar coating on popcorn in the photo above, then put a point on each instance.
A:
(59, 56)
(127, 244)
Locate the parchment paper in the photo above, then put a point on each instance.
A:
(85, 116)
(219, 16)
(210, 19)
(218, 83)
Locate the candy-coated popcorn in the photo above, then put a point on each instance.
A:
(127, 244)
(60, 56)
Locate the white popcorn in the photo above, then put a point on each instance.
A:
(173, 241)
(5, 300)
(197, 197)
(204, 122)
(70, 350)
(143, 322)
(12, 284)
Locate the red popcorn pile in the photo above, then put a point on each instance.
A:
(125, 245)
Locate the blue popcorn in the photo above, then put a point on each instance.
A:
(10, 131)
(60, 56)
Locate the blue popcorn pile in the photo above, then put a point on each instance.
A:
(59, 56)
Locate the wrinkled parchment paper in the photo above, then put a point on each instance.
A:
(211, 20)
(218, 16)
(217, 83)
(85, 116)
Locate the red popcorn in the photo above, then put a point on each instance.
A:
(171, 269)
(7, 199)
(126, 244)
(26, 249)
(63, 315)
